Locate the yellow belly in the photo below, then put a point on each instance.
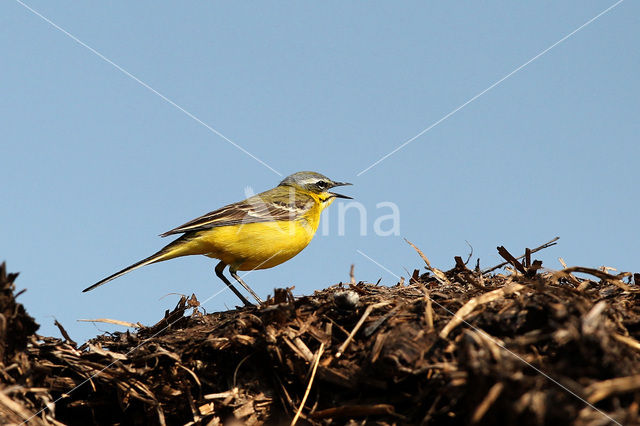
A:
(249, 246)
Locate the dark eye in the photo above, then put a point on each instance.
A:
(322, 184)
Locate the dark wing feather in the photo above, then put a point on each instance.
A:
(283, 206)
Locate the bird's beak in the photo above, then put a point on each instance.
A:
(340, 195)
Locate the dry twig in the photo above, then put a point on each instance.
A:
(308, 389)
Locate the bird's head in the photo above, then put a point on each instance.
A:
(314, 183)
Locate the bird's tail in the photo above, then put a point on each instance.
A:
(169, 252)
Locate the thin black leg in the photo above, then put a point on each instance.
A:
(219, 268)
(234, 274)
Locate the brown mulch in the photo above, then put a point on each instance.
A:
(526, 346)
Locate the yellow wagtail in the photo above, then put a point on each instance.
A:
(260, 232)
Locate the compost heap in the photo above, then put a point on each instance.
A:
(466, 346)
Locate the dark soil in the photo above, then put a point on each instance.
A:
(525, 346)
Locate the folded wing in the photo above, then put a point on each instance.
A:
(276, 205)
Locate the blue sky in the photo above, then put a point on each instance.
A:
(96, 165)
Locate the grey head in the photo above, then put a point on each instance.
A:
(313, 182)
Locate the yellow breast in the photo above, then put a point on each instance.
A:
(258, 245)
(252, 245)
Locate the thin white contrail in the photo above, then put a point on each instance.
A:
(501, 345)
(408, 141)
(145, 85)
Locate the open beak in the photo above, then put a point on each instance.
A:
(340, 195)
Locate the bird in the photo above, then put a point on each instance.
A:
(260, 232)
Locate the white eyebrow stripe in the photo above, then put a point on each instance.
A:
(309, 181)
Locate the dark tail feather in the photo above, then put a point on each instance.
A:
(153, 258)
